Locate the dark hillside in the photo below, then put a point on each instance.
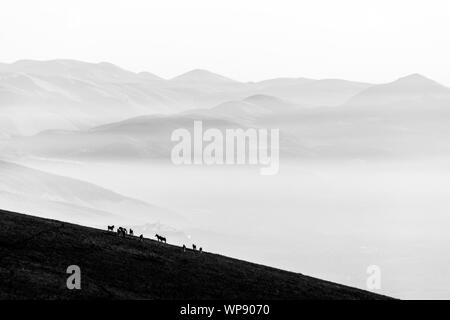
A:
(35, 254)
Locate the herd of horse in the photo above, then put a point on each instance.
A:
(123, 232)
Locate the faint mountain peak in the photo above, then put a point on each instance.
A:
(201, 75)
(417, 79)
(59, 66)
(414, 77)
(107, 64)
(406, 89)
(110, 66)
(104, 72)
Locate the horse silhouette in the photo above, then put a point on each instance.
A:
(160, 238)
(121, 232)
(111, 228)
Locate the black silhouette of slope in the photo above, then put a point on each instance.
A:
(35, 254)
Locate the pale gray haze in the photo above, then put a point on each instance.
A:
(91, 91)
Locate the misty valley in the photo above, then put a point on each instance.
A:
(359, 214)
(361, 174)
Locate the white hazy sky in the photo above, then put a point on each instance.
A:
(247, 40)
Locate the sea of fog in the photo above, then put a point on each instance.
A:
(325, 219)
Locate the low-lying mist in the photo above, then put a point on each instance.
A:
(326, 219)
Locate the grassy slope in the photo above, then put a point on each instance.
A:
(35, 253)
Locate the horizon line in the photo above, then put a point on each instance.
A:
(215, 73)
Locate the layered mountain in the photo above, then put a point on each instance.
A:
(136, 138)
(204, 77)
(411, 89)
(249, 108)
(66, 94)
(73, 95)
(73, 69)
(87, 104)
(326, 92)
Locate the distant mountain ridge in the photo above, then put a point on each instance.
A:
(408, 88)
(248, 109)
(200, 75)
(85, 71)
(100, 111)
(73, 95)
